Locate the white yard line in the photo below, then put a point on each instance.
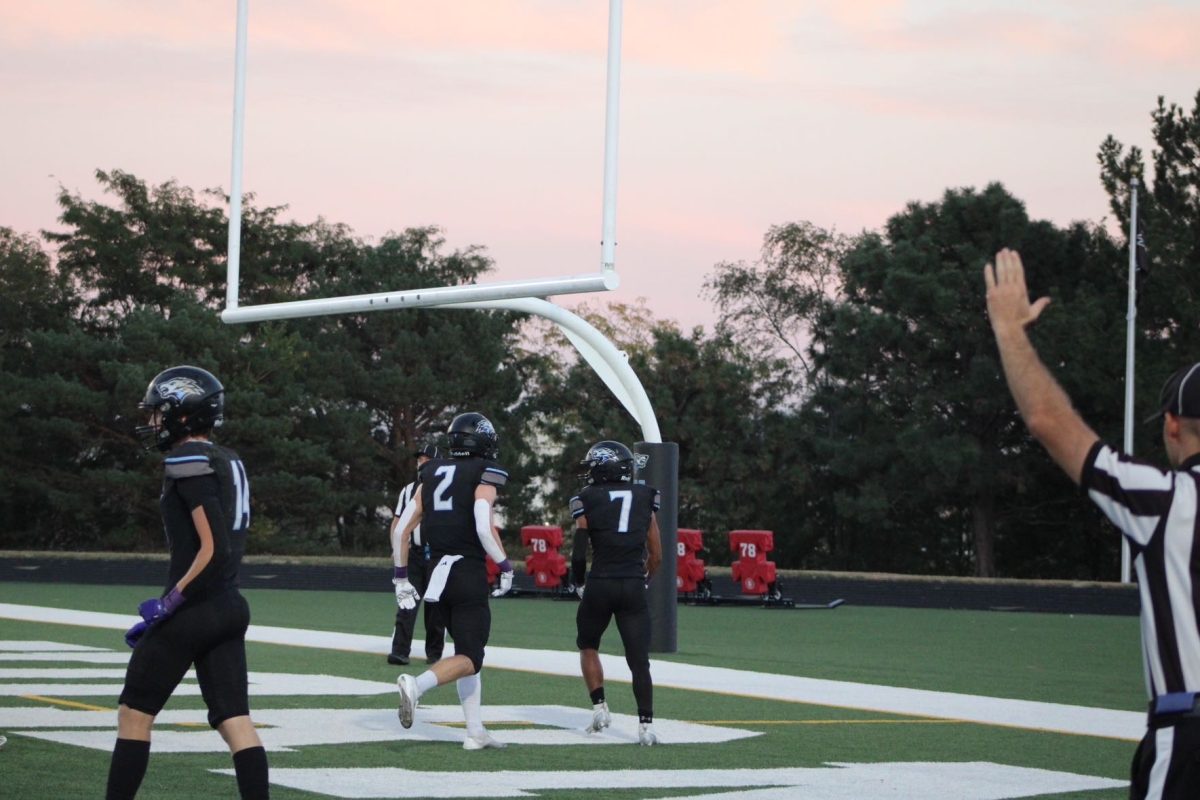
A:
(1055, 717)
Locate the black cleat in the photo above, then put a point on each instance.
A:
(431, 660)
(397, 659)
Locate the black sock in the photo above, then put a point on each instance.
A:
(127, 768)
(597, 696)
(251, 768)
(645, 716)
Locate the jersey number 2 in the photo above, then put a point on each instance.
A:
(441, 501)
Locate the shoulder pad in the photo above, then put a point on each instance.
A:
(493, 474)
(189, 461)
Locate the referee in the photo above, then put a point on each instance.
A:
(1155, 509)
(418, 574)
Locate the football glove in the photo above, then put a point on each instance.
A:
(506, 579)
(135, 633)
(406, 594)
(156, 609)
(579, 591)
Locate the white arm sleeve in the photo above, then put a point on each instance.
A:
(398, 529)
(483, 529)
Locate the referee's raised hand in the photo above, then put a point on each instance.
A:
(1007, 296)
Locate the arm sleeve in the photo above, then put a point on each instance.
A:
(204, 491)
(483, 529)
(397, 532)
(579, 557)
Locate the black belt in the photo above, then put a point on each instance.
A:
(1167, 708)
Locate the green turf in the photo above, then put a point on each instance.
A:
(1088, 660)
(1075, 659)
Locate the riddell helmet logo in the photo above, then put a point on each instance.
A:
(178, 388)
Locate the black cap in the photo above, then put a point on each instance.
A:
(428, 450)
(1180, 395)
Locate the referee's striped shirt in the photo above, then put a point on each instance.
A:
(1157, 511)
(406, 497)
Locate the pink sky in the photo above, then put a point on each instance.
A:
(485, 116)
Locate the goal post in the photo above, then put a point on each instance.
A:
(610, 364)
(603, 280)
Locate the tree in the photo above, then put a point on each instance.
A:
(324, 411)
(1169, 218)
(709, 396)
(918, 456)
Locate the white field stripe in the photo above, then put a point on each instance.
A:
(1057, 717)
(45, 647)
(1179, 539)
(60, 658)
(1149, 630)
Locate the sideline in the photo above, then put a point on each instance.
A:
(1025, 714)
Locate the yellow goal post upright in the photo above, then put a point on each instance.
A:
(657, 461)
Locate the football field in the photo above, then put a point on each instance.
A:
(824, 705)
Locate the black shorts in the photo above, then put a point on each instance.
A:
(1166, 765)
(209, 633)
(463, 611)
(605, 598)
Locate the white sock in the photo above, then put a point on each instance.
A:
(470, 694)
(426, 681)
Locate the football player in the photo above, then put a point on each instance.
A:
(454, 510)
(617, 517)
(201, 618)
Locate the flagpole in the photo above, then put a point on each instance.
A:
(1130, 320)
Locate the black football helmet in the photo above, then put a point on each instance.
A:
(189, 400)
(608, 462)
(472, 434)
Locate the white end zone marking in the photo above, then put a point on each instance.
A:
(1028, 714)
(895, 781)
(287, 729)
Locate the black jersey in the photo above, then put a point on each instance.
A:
(201, 474)
(448, 503)
(618, 523)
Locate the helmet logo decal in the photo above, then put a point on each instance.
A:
(485, 428)
(178, 388)
(602, 455)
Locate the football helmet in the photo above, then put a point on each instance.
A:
(472, 434)
(189, 400)
(608, 462)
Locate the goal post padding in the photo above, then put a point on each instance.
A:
(661, 470)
